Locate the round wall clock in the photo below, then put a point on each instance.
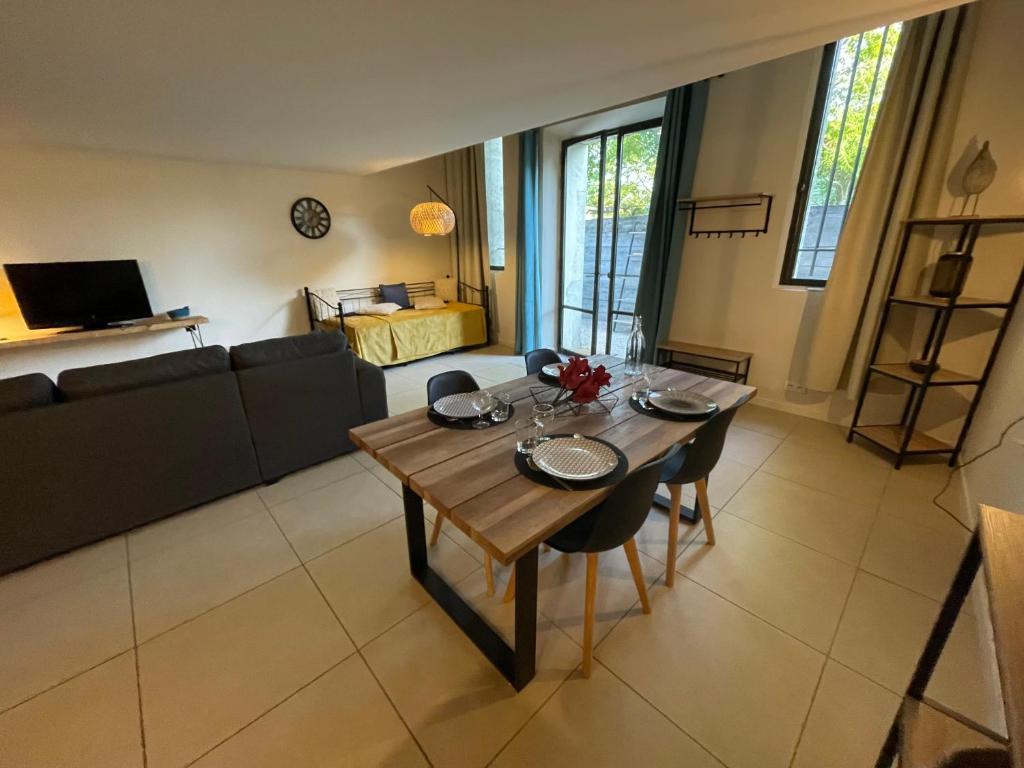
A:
(310, 218)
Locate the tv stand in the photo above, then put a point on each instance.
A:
(69, 335)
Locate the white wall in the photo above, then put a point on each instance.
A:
(217, 237)
(728, 293)
(992, 109)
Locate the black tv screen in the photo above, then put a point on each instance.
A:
(87, 293)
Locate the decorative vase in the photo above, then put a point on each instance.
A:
(635, 348)
(950, 275)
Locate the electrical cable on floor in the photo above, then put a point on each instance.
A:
(958, 467)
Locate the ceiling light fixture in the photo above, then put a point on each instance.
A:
(432, 217)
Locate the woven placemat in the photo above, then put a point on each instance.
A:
(540, 477)
(657, 413)
(450, 423)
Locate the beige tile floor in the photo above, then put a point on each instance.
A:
(279, 627)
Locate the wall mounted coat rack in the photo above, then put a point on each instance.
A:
(759, 200)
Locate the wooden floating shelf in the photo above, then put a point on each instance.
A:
(71, 336)
(962, 302)
(890, 437)
(940, 378)
(961, 220)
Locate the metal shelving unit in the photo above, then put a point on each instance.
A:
(903, 439)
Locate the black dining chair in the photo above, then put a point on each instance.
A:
(612, 523)
(693, 464)
(538, 358)
(449, 383)
(438, 386)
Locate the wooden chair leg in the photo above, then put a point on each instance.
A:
(438, 522)
(638, 573)
(588, 613)
(676, 494)
(489, 574)
(510, 590)
(705, 509)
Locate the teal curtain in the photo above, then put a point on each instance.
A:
(528, 244)
(666, 231)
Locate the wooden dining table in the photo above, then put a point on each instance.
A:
(470, 477)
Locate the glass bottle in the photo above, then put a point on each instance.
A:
(635, 348)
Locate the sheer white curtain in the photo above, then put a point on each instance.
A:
(902, 176)
(465, 191)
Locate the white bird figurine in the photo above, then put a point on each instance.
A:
(978, 176)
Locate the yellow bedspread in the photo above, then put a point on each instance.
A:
(410, 334)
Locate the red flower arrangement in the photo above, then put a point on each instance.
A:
(580, 383)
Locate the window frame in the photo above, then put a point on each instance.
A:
(618, 131)
(803, 187)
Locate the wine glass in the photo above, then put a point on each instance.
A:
(482, 402)
(642, 387)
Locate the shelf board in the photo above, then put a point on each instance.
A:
(70, 336)
(962, 302)
(954, 220)
(890, 437)
(940, 378)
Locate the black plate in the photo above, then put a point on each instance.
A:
(657, 413)
(543, 478)
(449, 423)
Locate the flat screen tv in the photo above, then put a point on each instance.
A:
(92, 294)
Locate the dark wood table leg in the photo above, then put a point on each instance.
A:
(686, 514)
(518, 665)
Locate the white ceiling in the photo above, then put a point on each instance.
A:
(363, 86)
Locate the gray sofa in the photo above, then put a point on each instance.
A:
(111, 447)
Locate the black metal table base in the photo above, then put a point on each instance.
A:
(686, 514)
(518, 664)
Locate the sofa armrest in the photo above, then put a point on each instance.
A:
(372, 391)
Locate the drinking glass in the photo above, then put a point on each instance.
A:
(501, 408)
(482, 402)
(526, 435)
(544, 416)
(642, 387)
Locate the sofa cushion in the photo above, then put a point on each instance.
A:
(29, 391)
(395, 293)
(95, 380)
(275, 351)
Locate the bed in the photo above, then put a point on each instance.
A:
(409, 334)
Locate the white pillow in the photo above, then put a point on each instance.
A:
(428, 302)
(386, 308)
(446, 289)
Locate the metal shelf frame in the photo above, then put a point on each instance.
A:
(969, 230)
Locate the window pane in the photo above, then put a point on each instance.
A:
(576, 331)
(579, 243)
(494, 190)
(636, 185)
(856, 84)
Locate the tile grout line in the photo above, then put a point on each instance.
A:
(135, 652)
(544, 703)
(657, 709)
(835, 633)
(263, 714)
(61, 682)
(356, 649)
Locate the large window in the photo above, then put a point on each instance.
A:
(494, 190)
(853, 76)
(607, 181)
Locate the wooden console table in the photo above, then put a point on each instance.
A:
(190, 324)
(739, 361)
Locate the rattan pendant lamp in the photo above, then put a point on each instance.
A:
(434, 217)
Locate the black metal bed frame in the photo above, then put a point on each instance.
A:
(347, 301)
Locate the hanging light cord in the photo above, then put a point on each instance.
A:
(949, 478)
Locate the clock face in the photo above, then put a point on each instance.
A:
(310, 218)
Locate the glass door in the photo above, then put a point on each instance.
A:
(607, 182)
